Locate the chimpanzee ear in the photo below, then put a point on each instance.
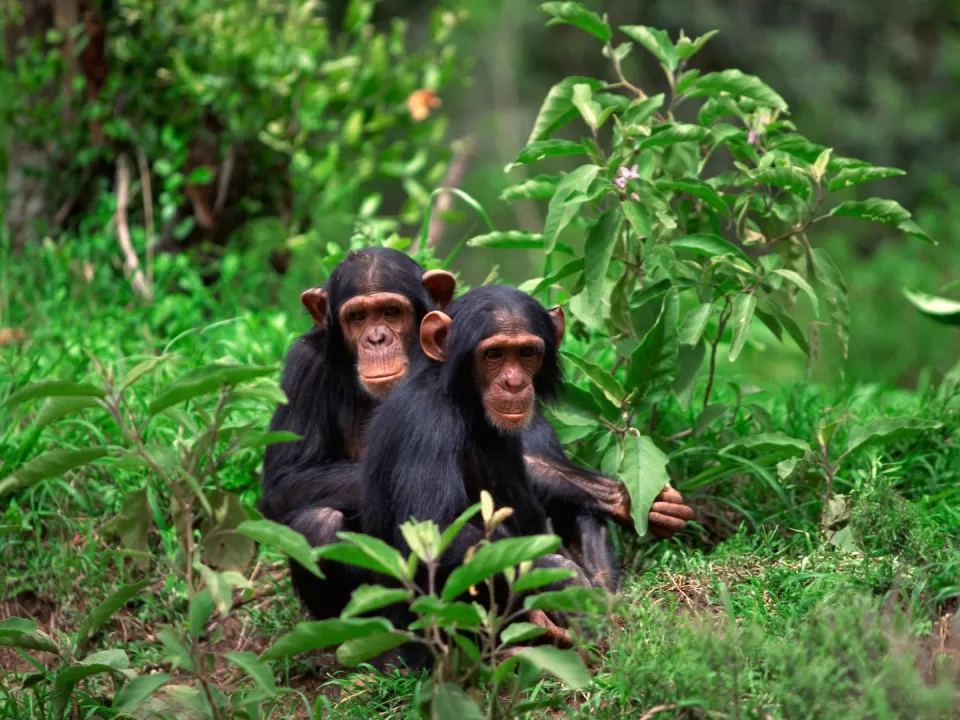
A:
(559, 322)
(315, 301)
(440, 285)
(434, 330)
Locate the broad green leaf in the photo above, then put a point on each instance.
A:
(565, 665)
(309, 636)
(142, 369)
(672, 133)
(790, 179)
(512, 239)
(737, 85)
(557, 109)
(496, 557)
(539, 577)
(887, 430)
(597, 252)
(698, 189)
(574, 599)
(878, 210)
(262, 439)
(451, 531)
(21, 633)
(106, 609)
(834, 295)
(463, 614)
(653, 365)
(571, 268)
(133, 522)
(12, 627)
(52, 388)
(449, 700)
(541, 187)
(687, 47)
(655, 41)
(849, 177)
(254, 667)
(115, 659)
(644, 472)
(589, 110)
(769, 442)
(380, 552)
(199, 612)
(709, 415)
(358, 650)
(690, 361)
(639, 218)
(49, 465)
(67, 680)
(744, 305)
(206, 380)
(280, 537)
(573, 13)
(563, 208)
(423, 537)
(943, 310)
(520, 632)
(691, 330)
(132, 695)
(56, 408)
(708, 245)
(640, 111)
(606, 382)
(543, 149)
(798, 280)
(221, 592)
(373, 597)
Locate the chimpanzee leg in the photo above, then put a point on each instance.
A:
(324, 598)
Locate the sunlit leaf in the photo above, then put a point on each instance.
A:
(655, 41)
(367, 598)
(708, 245)
(309, 636)
(698, 189)
(358, 650)
(49, 465)
(565, 665)
(496, 557)
(576, 14)
(744, 305)
(878, 210)
(280, 537)
(736, 84)
(769, 442)
(883, 431)
(449, 700)
(52, 388)
(543, 149)
(511, 239)
(943, 310)
(849, 177)
(644, 472)
(133, 694)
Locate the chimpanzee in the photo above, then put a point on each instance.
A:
(367, 318)
(455, 428)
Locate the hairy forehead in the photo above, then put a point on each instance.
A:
(511, 339)
(373, 300)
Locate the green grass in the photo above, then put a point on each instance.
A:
(749, 614)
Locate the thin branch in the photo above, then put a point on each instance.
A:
(444, 202)
(223, 184)
(131, 263)
(146, 189)
(721, 326)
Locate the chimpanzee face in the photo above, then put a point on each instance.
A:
(377, 329)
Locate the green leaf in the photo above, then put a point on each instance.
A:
(456, 526)
(834, 295)
(878, 210)
(496, 557)
(22, 633)
(358, 650)
(943, 310)
(15, 626)
(142, 369)
(13, 529)
(644, 472)
(798, 280)
(373, 597)
(640, 111)
(655, 41)
(511, 239)
(737, 85)
(254, 668)
(67, 680)
(386, 557)
(449, 700)
(543, 149)
(606, 382)
(653, 365)
(688, 369)
(105, 610)
(597, 252)
(571, 268)
(790, 179)
(694, 324)
(558, 109)
(743, 308)
(883, 431)
(221, 592)
(573, 13)
(565, 665)
(56, 408)
(709, 415)
(673, 133)
(639, 218)
(49, 465)
(541, 187)
(562, 208)
(698, 189)
(206, 380)
(708, 245)
(132, 695)
(133, 522)
(539, 577)
(768, 443)
(520, 632)
(262, 439)
(848, 177)
(572, 599)
(465, 615)
(52, 388)
(309, 636)
(687, 47)
(282, 538)
(199, 612)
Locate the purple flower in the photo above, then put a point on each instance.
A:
(620, 182)
(626, 174)
(751, 137)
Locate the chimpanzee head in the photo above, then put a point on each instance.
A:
(371, 307)
(499, 349)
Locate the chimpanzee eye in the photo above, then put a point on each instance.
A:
(356, 316)
(528, 351)
(391, 311)
(493, 354)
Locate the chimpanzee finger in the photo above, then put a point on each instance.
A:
(668, 494)
(666, 522)
(556, 635)
(683, 512)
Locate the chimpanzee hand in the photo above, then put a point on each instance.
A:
(669, 515)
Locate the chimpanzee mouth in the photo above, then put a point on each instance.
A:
(385, 376)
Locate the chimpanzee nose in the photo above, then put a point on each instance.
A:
(514, 382)
(377, 336)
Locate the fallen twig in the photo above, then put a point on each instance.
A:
(131, 263)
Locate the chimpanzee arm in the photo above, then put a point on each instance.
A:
(548, 466)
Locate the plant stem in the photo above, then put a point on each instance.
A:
(721, 326)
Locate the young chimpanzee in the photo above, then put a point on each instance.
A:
(367, 320)
(455, 428)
